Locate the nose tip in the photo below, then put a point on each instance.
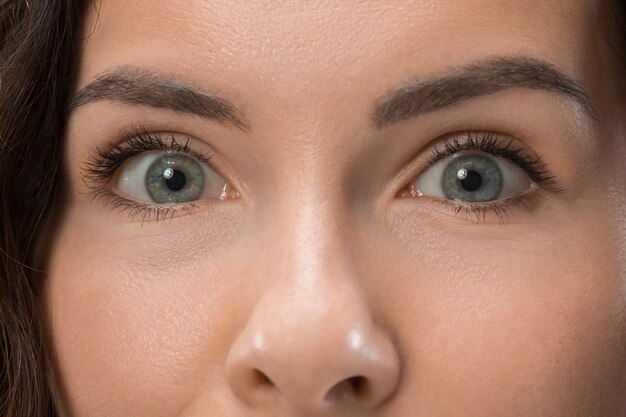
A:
(314, 371)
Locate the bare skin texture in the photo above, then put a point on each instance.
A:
(321, 287)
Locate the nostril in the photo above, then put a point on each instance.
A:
(359, 385)
(259, 388)
(261, 379)
(352, 388)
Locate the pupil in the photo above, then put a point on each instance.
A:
(472, 181)
(177, 181)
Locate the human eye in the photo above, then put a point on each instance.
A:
(153, 176)
(477, 174)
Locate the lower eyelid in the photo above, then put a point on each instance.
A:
(145, 212)
(499, 212)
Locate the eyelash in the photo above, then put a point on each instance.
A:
(493, 144)
(104, 163)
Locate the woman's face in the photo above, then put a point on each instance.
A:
(334, 208)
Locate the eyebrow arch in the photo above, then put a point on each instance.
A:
(133, 85)
(479, 79)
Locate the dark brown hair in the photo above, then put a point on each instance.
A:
(615, 16)
(37, 48)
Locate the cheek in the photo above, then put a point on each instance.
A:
(140, 320)
(507, 325)
(546, 347)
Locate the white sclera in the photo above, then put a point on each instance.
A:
(514, 179)
(131, 182)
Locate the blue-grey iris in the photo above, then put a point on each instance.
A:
(174, 178)
(473, 178)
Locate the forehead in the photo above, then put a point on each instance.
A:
(297, 50)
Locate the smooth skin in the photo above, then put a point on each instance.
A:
(322, 289)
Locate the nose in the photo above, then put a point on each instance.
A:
(312, 344)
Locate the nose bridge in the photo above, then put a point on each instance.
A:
(316, 279)
(311, 338)
(305, 234)
(314, 243)
(313, 297)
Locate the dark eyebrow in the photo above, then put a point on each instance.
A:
(479, 79)
(138, 86)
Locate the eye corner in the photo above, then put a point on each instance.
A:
(408, 191)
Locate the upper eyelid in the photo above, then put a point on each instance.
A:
(471, 141)
(448, 144)
(102, 163)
